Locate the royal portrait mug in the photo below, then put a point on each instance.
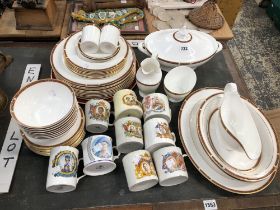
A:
(156, 105)
(126, 104)
(170, 166)
(98, 155)
(129, 135)
(157, 134)
(62, 171)
(97, 115)
(139, 170)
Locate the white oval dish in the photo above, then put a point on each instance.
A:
(199, 157)
(235, 156)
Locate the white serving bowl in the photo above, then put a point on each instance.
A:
(42, 103)
(147, 83)
(176, 47)
(179, 82)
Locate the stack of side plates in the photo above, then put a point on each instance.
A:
(48, 115)
(220, 159)
(93, 75)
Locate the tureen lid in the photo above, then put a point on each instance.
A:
(181, 46)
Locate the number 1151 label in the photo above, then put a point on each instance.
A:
(210, 205)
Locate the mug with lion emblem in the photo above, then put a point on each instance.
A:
(126, 104)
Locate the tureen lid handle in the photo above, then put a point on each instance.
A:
(182, 35)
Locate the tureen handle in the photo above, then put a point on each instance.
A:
(182, 35)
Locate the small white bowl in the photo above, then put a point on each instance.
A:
(147, 83)
(179, 82)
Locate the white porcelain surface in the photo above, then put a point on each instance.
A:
(139, 170)
(237, 119)
(200, 158)
(43, 104)
(74, 55)
(129, 134)
(157, 134)
(90, 39)
(109, 38)
(170, 166)
(179, 82)
(193, 48)
(60, 67)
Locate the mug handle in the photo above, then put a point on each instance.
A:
(174, 137)
(118, 155)
(111, 124)
(82, 176)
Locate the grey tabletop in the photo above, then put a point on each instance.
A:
(28, 187)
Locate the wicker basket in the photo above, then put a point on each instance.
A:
(207, 16)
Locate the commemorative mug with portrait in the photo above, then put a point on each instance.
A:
(98, 155)
(126, 104)
(97, 115)
(156, 105)
(62, 171)
(90, 39)
(139, 170)
(129, 136)
(170, 166)
(157, 134)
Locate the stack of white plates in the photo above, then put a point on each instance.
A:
(215, 152)
(93, 75)
(48, 115)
